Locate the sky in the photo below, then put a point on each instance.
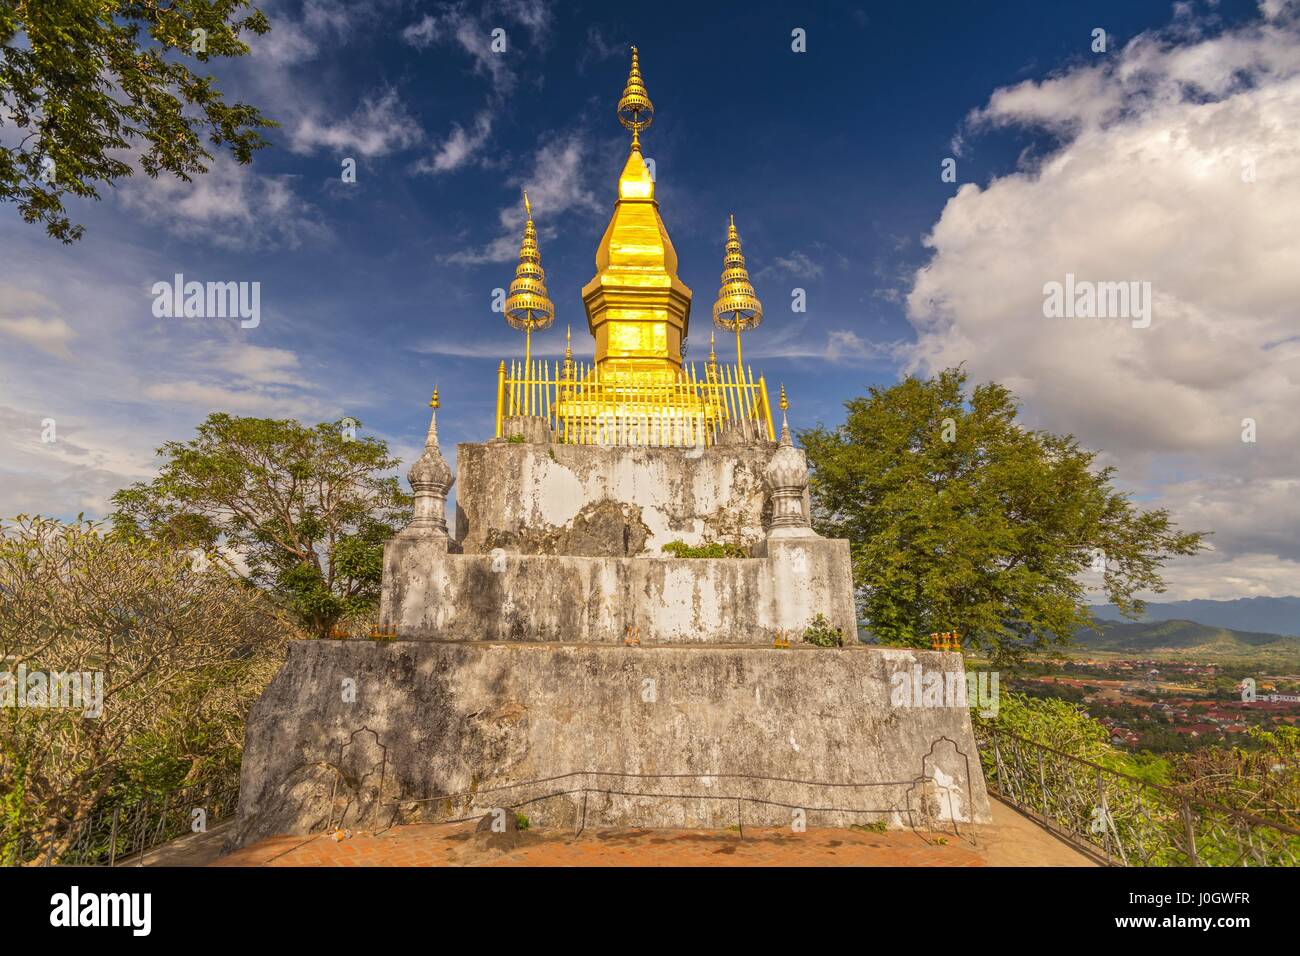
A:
(1170, 157)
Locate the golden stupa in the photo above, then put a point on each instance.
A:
(638, 391)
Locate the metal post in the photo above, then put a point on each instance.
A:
(501, 393)
(1189, 829)
(112, 839)
(1042, 783)
(1105, 813)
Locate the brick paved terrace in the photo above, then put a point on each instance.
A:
(1011, 840)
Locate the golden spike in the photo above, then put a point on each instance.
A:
(433, 401)
(527, 307)
(784, 403)
(737, 308)
(635, 111)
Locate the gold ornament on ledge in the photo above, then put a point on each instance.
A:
(527, 307)
(737, 308)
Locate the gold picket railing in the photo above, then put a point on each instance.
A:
(582, 406)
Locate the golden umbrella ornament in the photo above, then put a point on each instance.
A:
(737, 308)
(527, 307)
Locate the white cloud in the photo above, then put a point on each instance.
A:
(460, 147)
(231, 206)
(557, 184)
(380, 125)
(798, 265)
(1150, 182)
(27, 316)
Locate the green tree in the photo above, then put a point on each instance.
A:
(297, 510)
(173, 656)
(959, 517)
(84, 80)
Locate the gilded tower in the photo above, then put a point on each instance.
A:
(637, 389)
(638, 309)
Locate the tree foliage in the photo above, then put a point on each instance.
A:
(959, 517)
(84, 80)
(182, 651)
(297, 510)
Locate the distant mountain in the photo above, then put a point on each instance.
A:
(1204, 640)
(1259, 614)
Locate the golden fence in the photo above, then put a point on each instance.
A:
(584, 406)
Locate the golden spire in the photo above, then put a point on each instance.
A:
(568, 353)
(785, 421)
(433, 402)
(527, 306)
(638, 309)
(635, 111)
(711, 367)
(737, 308)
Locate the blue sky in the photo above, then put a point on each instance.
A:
(830, 160)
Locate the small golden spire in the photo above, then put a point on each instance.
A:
(433, 402)
(785, 420)
(737, 308)
(527, 307)
(635, 111)
(568, 353)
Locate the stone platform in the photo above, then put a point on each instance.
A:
(535, 498)
(429, 594)
(372, 733)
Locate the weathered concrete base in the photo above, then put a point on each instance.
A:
(367, 733)
(521, 495)
(429, 594)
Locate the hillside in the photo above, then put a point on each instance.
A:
(1270, 615)
(1153, 637)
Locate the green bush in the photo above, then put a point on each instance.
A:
(820, 633)
(716, 549)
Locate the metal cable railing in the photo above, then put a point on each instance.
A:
(120, 830)
(1123, 819)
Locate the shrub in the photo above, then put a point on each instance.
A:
(820, 633)
(716, 549)
(182, 651)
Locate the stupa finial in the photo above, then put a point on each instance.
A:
(527, 307)
(785, 421)
(737, 308)
(635, 111)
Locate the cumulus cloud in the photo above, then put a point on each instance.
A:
(557, 184)
(1175, 162)
(798, 265)
(471, 31)
(30, 317)
(230, 206)
(380, 125)
(459, 148)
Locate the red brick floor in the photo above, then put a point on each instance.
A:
(1011, 839)
(457, 845)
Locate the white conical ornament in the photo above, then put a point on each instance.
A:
(431, 478)
(786, 476)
